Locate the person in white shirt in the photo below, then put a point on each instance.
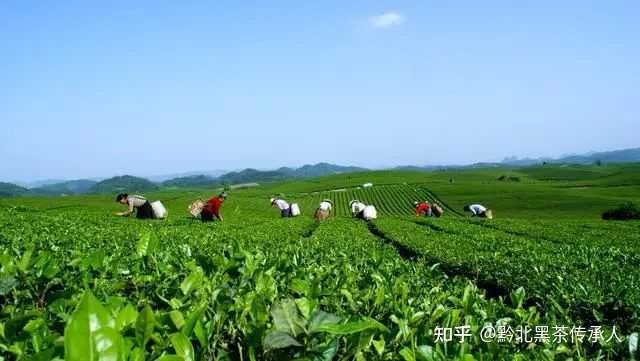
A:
(357, 208)
(477, 210)
(136, 203)
(283, 206)
(324, 210)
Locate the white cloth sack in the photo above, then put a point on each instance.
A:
(295, 210)
(370, 213)
(159, 211)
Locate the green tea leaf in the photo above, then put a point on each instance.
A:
(407, 354)
(278, 339)
(191, 281)
(170, 358)
(379, 346)
(193, 318)
(425, 353)
(286, 318)
(90, 334)
(304, 306)
(183, 346)
(144, 326)
(145, 245)
(25, 260)
(320, 318)
(177, 318)
(127, 316)
(7, 283)
(352, 327)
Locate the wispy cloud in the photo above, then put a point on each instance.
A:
(387, 20)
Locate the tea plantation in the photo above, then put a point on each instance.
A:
(77, 283)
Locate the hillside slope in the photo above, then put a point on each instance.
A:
(251, 175)
(11, 190)
(125, 183)
(79, 186)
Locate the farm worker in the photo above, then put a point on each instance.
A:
(357, 208)
(422, 209)
(437, 210)
(324, 210)
(212, 208)
(140, 204)
(283, 206)
(477, 210)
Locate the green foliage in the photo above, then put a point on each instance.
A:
(91, 334)
(508, 178)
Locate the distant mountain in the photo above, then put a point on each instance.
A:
(40, 183)
(416, 168)
(200, 180)
(306, 171)
(79, 186)
(251, 175)
(254, 175)
(167, 177)
(630, 155)
(123, 184)
(322, 169)
(11, 190)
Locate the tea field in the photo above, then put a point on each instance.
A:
(77, 283)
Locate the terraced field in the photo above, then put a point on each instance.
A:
(79, 284)
(390, 200)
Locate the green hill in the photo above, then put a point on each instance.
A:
(125, 183)
(190, 181)
(587, 175)
(283, 173)
(615, 156)
(251, 175)
(79, 186)
(629, 155)
(11, 190)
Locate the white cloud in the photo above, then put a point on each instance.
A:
(387, 20)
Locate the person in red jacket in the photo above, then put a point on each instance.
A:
(212, 208)
(423, 209)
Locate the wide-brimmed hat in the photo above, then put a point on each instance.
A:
(272, 200)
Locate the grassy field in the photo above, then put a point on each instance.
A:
(78, 283)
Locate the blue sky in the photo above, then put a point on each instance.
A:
(154, 87)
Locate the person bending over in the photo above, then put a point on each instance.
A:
(211, 209)
(138, 204)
